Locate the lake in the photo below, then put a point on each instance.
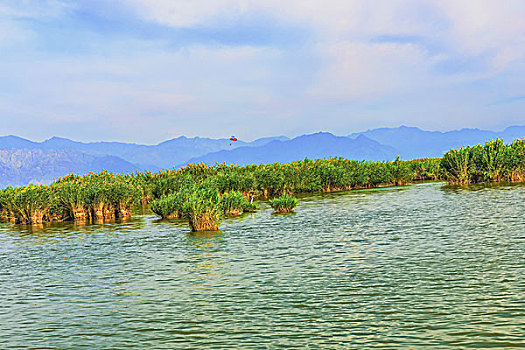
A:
(422, 266)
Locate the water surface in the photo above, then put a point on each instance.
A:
(424, 266)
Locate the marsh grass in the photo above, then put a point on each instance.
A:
(203, 194)
(170, 206)
(250, 207)
(284, 203)
(234, 203)
(203, 209)
(493, 162)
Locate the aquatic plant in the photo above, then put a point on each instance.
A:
(400, 172)
(233, 203)
(250, 207)
(493, 162)
(170, 206)
(190, 190)
(457, 165)
(203, 209)
(30, 204)
(517, 160)
(284, 203)
(426, 169)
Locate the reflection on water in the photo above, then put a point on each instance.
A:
(425, 266)
(204, 253)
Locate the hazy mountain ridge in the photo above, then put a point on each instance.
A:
(153, 157)
(412, 142)
(24, 166)
(313, 146)
(23, 161)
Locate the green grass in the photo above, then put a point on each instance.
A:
(284, 203)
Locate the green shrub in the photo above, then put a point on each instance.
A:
(203, 208)
(169, 207)
(233, 203)
(284, 204)
(457, 165)
(250, 207)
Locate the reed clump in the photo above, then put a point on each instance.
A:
(284, 203)
(184, 197)
(89, 198)
(201, 204)
(203, 209)
(170, 206)
(234, 203)
(493, 162)
(250, 207)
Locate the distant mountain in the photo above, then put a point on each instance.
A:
(15, 142)
(265, 140)
(23, 166)
(166, 154)
(314, 146)
(163, 155)
(412, 142)
(23, 161)
(512, 133)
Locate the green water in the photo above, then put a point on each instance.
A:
(426, 266)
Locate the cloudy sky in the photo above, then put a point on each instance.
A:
(149, 70)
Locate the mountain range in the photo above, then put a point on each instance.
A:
(313, 146)
(414, 143)
(23, 166)
(23, 161)
(166, 154)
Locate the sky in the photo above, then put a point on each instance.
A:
(149, 70)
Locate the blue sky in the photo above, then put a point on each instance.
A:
(145, 71)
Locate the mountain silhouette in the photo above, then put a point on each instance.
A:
(314, 146)
(412, 142)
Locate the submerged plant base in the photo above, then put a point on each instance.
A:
(204, 222)
(234, 212)
(124, 213)
(172, 216)
(81, 214)
(284, 210)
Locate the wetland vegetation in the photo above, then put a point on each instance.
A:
(283, 204)
(205, 194)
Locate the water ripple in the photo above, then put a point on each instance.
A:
(426, 266)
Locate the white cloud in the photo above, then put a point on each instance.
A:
(358, 55)
(184, 13)
(364, 72)
(470, 27)
(344, 31)
(485, 25)
(36, 9)
(11, 33)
